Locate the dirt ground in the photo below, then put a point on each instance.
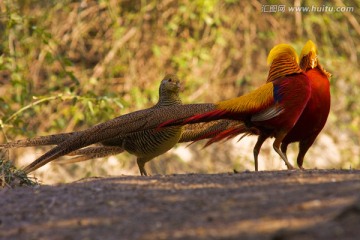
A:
(311, 204)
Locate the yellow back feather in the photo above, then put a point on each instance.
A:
(253, 101)
(280, 49)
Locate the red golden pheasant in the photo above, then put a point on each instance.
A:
(313, 118)
(316, 112)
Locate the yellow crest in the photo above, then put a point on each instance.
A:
(309, 47)
(282, 49)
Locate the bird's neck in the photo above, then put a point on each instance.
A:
(168, 99)
(282, 66)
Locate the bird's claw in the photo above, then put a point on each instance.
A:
(290, 167)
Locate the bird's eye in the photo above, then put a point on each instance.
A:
(170, 80)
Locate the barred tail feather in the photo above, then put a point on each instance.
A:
(39, 141)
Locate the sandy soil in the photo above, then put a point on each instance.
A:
(312, 204)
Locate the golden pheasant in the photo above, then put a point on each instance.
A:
(144, 144)
(312, 119)
(316, 112)
(148, 144)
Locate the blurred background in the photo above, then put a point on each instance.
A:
(68, 65)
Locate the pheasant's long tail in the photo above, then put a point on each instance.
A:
(229, 134)
(89, 153)
(196, 118)
(39, 141)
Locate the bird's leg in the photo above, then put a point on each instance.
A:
(141, 164)
(284, 148)
(303, 148)
(256, 151)
(276, 146)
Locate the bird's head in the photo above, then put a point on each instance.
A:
(170, 84)
(283, 61)
(308, 56)
(309, 59)
(282, 51)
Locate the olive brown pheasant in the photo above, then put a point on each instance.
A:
(146, 144)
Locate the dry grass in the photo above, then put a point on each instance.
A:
(11, 177)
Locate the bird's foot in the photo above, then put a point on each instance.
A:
(289, 166)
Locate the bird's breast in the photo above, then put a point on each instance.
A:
(152, 143)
